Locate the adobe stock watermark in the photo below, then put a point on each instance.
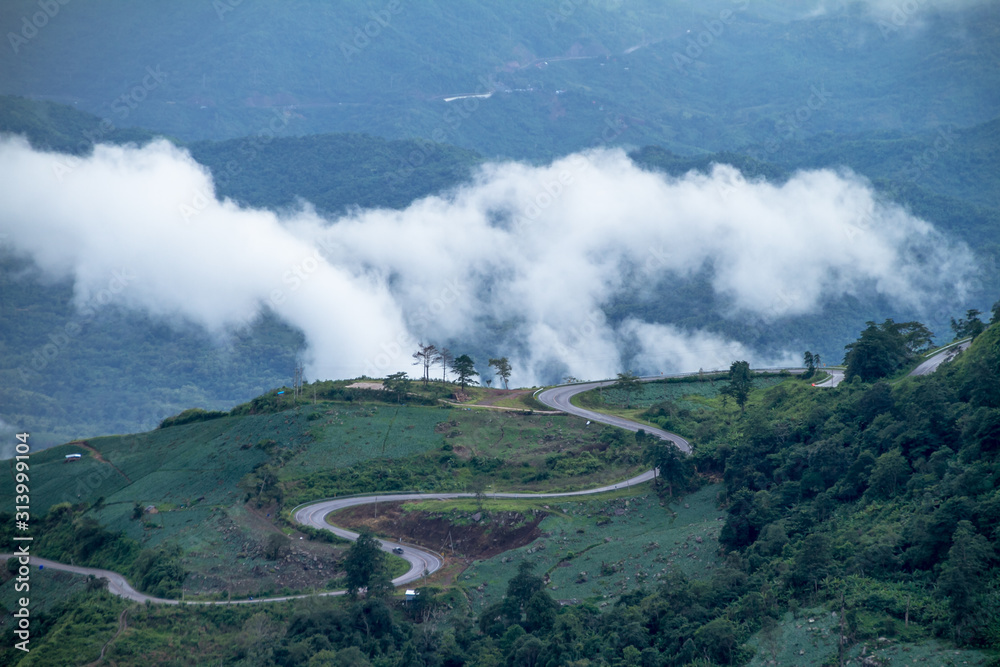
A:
(85, 486)
(459, 110)
(463, 107)
(655, 260)
(404, 342)
(570, 340)
(791, 123)
(249, 150)
(59, 339)
(364, 34)
(902, 14)
(860, 225)
(545, 196)
(918, 165)
(698, 42)
(223, 7)
(122, 106)
(786, 128)
(783, 302)
(30, 26)
(551, 189)
(293, 278)
(565, 10)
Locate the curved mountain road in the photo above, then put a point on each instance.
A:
(926, 368)
(945, 355)
(118, 585)
(836, 377)
(561, 399)
(423, 561)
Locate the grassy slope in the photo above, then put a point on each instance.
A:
(190, 473)
(629, 533)
(687, 397)
(808, 638)
(642, 523)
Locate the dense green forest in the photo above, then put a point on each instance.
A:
(874, 506)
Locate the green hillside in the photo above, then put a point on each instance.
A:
(808, 526)
(120, 369)
(868, 511)
(953, 161)
(200, 473)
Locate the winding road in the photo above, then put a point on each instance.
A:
(561, 399)
(947, 354)
(836, 377)
(424, 561)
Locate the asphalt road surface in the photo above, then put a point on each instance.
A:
(926, 368)
(559, 398)
(118, 585)
(941, 357)
(836, 377)
(423, 561)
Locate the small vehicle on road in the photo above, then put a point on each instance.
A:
(397, 550)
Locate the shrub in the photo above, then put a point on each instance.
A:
(191, 415)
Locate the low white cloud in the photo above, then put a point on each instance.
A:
(540, 251)
(663, 346)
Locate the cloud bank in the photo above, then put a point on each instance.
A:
(526, 258)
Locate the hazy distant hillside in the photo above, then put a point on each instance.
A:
(61, 128)
(953, 161)
(333, 171)
(948, 177)
(709, 76)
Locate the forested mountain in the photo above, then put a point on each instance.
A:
(695, 78)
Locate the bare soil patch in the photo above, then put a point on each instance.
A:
(494, 395)
(471, 536)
